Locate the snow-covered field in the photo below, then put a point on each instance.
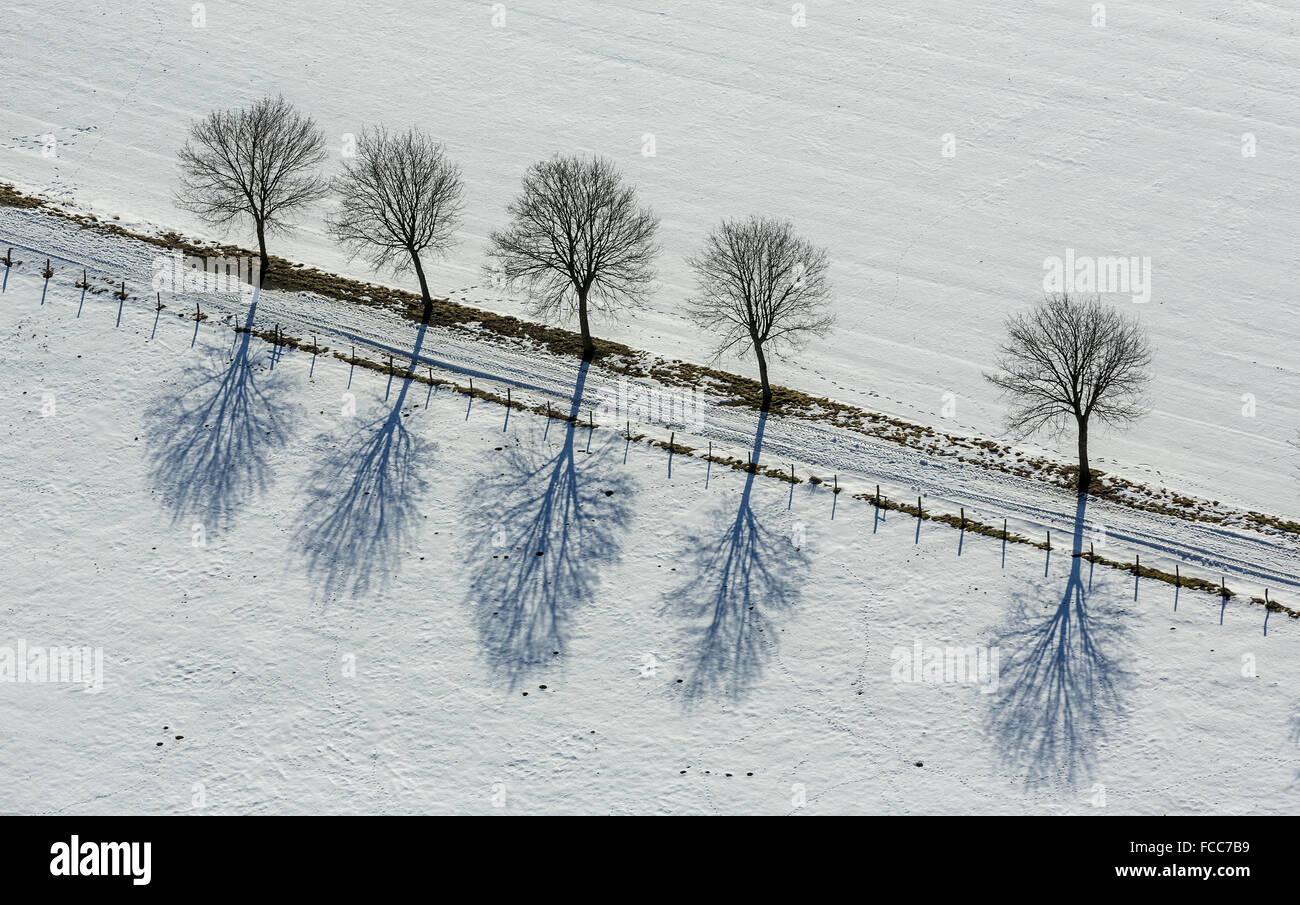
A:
(362, 621)
(1122, 140)
(348, 611)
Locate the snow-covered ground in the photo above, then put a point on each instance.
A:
(315, 610)
(1118, 140)
(350, 613)
(1250, 560)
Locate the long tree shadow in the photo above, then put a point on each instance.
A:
(1061, 681)
(548, 525)
(209, 444)
(362, 500)
(743, 576)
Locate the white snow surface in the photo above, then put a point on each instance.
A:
(366, 624)
(348, 636)
(1120, 140)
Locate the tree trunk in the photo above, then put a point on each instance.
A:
(762, 376)
(424, 288)
(261, 248)
(588, 347)
(1085, 475)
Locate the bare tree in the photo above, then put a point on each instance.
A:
(257, 162)
(761, 288)
(1071, 360)
(578, 241)
(401, 198)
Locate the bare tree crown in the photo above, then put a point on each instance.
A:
(259, 162)
(760, 284)
(401, 197)
(577, 234)
(1071, 359)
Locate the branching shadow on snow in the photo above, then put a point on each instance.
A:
(547, 525)
(362, 501)
(1061, 683)
(742, 577)
(209, 444)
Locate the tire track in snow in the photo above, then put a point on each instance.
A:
(1270, 560)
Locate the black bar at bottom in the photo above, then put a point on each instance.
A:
(334, 855)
